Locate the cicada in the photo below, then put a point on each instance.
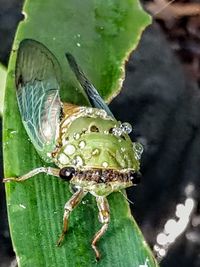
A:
(92, 150)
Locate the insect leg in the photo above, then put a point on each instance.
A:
(47, 170)
(69, 206)
(104, 218)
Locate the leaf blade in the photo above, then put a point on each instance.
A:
(38, 203)
(3, 74)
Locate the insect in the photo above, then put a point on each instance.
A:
(91, 149)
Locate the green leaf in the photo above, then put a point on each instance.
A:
(100, 34)
(3, 74)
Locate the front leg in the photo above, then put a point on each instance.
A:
(47, 170)
(104, 218)
(69, 206)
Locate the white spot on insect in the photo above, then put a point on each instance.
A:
(125, 156)
(82, 144)
(78, 44)
(65, 141)
(96, 151)
(102, 113)
(63, 159)
(76, 136)
(69, 149)
(22, 206)
(88, 110)
(105, 164)
(78, 161)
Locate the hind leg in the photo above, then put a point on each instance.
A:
(69, 206)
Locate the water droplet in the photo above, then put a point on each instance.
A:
(84, 202)
(126, 127)
(69, 149)
(78, 44)
(105, 164)
(138, 149)
(82, 144)
(63, 159)
(22, 206)
(11, 133)
(78, 35)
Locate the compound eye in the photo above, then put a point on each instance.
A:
(135, 177)
(67, 173)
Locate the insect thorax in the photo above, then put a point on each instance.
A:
(88, 140)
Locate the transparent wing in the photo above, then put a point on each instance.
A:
(37, 82)
(93, 95)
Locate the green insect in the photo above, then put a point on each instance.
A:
(92, 150)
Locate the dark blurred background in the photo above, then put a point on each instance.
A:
(161, 99)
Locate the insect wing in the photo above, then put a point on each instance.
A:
(95, 99)
(38, 78)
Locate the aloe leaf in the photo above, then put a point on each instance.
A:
(100, 34)
(3, 74)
